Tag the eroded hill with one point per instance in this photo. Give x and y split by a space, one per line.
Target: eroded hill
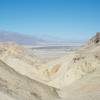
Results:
72 77
20 87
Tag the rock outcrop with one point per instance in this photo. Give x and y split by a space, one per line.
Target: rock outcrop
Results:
95 39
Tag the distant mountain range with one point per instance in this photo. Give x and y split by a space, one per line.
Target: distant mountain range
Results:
6 36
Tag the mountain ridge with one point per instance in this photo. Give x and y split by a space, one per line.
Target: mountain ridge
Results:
6 36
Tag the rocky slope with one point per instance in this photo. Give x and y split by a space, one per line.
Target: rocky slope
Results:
72 77
18 58
65 72
95 39
19 87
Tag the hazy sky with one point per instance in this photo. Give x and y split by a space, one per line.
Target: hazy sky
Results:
53 19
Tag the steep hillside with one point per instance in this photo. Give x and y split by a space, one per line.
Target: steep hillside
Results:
76 76
18 57
72 67
21 87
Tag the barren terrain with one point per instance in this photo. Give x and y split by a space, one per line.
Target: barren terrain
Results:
50 72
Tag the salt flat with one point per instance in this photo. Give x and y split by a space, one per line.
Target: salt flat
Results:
49 52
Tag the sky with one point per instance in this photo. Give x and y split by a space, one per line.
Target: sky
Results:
62 20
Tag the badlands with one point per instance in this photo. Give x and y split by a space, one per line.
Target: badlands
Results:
75 75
